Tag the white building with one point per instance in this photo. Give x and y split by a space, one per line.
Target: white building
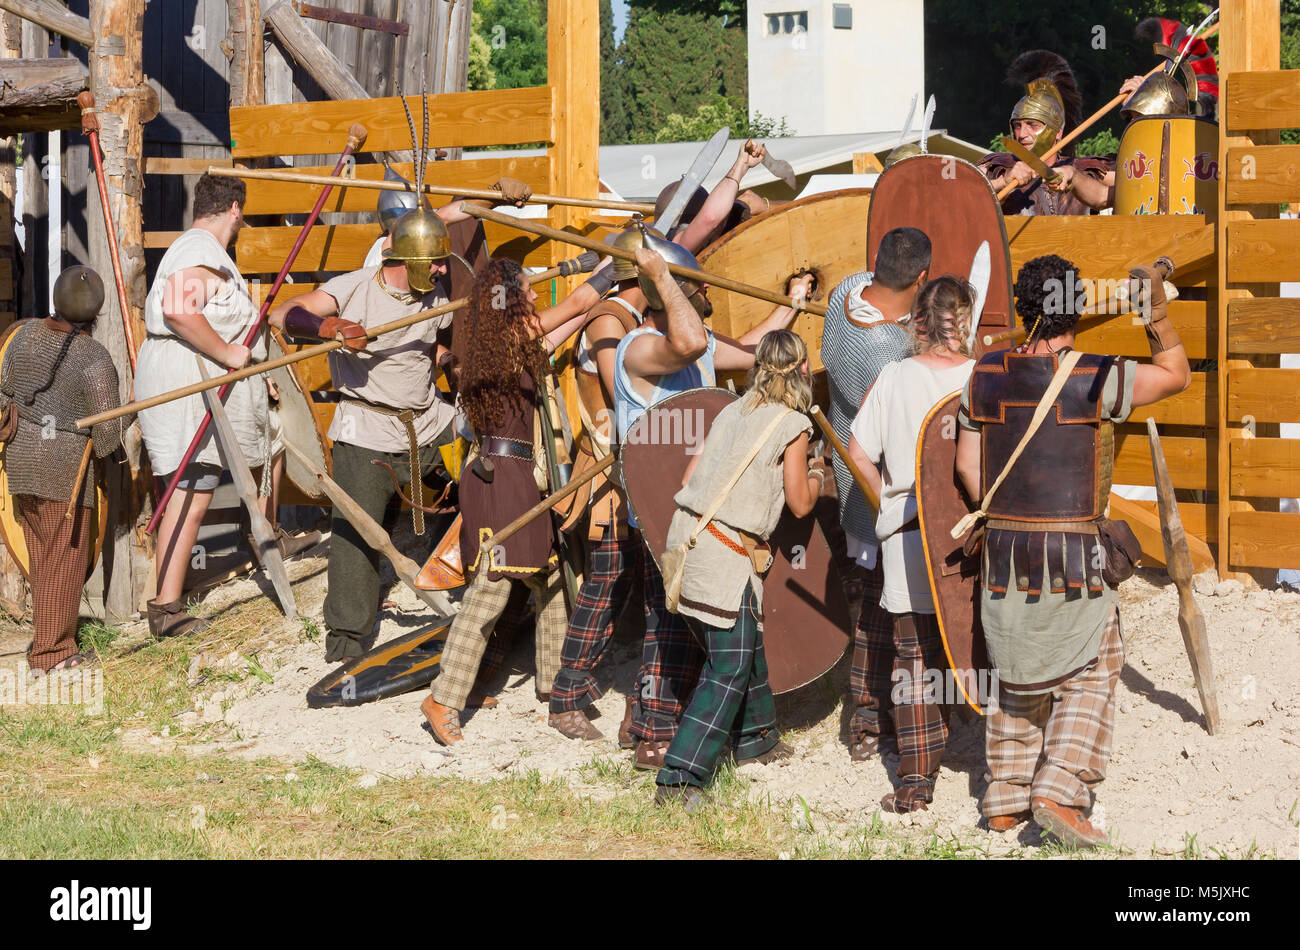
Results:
834 68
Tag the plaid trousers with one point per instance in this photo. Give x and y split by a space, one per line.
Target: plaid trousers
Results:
873 660
1054 745
922 726
482 606
58 548
671 659
733 700
591 628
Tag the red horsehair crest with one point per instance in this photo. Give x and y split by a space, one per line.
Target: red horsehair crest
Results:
1203 169
1139 166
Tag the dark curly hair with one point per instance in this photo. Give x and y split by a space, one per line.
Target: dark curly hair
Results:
214 194
1047 287
502 341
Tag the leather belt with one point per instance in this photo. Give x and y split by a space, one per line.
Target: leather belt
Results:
407 418
508 448
1069 527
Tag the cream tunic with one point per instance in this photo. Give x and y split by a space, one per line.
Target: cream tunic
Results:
167 362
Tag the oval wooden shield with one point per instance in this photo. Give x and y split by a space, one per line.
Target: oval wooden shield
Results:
1168 165
954 577
825 233
303 427
11 529
805 615
952 202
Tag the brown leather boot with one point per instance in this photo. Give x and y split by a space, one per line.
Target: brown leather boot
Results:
443 720
574 724
1007 822
625 738
1066 824
171 620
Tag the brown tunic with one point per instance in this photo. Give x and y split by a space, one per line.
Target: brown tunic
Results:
487 507
1036 197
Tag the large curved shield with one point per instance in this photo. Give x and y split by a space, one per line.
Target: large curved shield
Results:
952 202
954 576
821 233
11 529
302 426
805 616
1168 165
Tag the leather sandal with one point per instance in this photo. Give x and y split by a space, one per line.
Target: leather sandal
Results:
1066 824
650 755
867 745
691 798
443 720
1007 822
625 738
574 724
778 753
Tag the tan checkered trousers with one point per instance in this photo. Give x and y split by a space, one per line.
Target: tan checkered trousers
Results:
484 602
1055 745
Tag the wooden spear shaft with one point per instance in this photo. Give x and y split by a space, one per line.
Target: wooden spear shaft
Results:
305 353
842 451
1087 123
546 504
713 280
378 184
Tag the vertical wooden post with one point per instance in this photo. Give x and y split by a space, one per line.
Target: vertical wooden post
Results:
246 65
117 81
13 590
35 287
1249 40
573 73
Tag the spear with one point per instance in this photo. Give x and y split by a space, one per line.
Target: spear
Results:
1093 119
378 184
563 270
356 138
568 237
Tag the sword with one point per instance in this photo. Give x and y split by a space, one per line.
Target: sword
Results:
781 170
702 165
1039 166
264 537
980 269
911 114
925 125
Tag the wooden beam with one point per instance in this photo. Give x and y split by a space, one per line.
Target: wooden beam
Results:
153 165
1263 251
1265 468
1193 319
54 18
1143 518
40 95
311 54
1264 325
1195 406
1264 539
247 70
1106 245
866 163
1191 461
1264 395
469 119
1263 173
1258 98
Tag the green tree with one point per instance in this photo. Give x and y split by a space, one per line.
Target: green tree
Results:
613 118
479 73
675 62
712 115
515 32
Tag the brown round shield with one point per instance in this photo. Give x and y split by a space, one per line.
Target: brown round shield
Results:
821 233
805 615
952 202
303 427
954 575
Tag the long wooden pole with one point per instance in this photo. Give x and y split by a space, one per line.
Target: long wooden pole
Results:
305 353
356 138
714 280
546 504
842 451
379 184
1087 123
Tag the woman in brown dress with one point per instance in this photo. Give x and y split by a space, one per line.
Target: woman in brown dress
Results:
504 344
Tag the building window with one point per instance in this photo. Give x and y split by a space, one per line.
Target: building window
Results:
786 23
842 16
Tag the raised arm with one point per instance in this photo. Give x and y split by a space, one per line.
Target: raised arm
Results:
560 322
513 192
1168 373
739 354
685 339
722 199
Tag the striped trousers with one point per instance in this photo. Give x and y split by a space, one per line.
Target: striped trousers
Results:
57 549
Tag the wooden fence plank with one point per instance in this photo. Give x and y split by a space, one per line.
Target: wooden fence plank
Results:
1263 251
1263 539
1262 173
1104 246
154 165
1263 325
1191 461
467 119
1267 395
1144 518
1195 406
1263 99
273 197
1265 468
1123 337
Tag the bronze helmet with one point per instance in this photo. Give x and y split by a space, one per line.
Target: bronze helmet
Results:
1042 103
903 151
672 254
419 238
1162 93
78 294
629 239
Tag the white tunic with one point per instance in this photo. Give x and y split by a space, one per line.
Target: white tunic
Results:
167 362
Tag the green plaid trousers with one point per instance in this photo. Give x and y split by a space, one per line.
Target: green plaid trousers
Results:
732 699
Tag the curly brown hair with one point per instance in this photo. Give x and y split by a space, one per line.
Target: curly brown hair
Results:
502 341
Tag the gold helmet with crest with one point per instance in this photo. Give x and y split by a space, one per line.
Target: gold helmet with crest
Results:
1051 96
1162 93
419 237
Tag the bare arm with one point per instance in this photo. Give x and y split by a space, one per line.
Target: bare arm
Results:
686 339
513 192
739 354
721 199
801 486
1169 373
317 301
968 462
187 292
1166 375
1093 192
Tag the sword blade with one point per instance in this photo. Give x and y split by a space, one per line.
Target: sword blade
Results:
981 269
781 170
911 114
701 167
925 125
1039 166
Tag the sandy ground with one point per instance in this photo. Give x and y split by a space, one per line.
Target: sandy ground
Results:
1168 779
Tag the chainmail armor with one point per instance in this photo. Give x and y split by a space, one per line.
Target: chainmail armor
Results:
854 356
45 454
